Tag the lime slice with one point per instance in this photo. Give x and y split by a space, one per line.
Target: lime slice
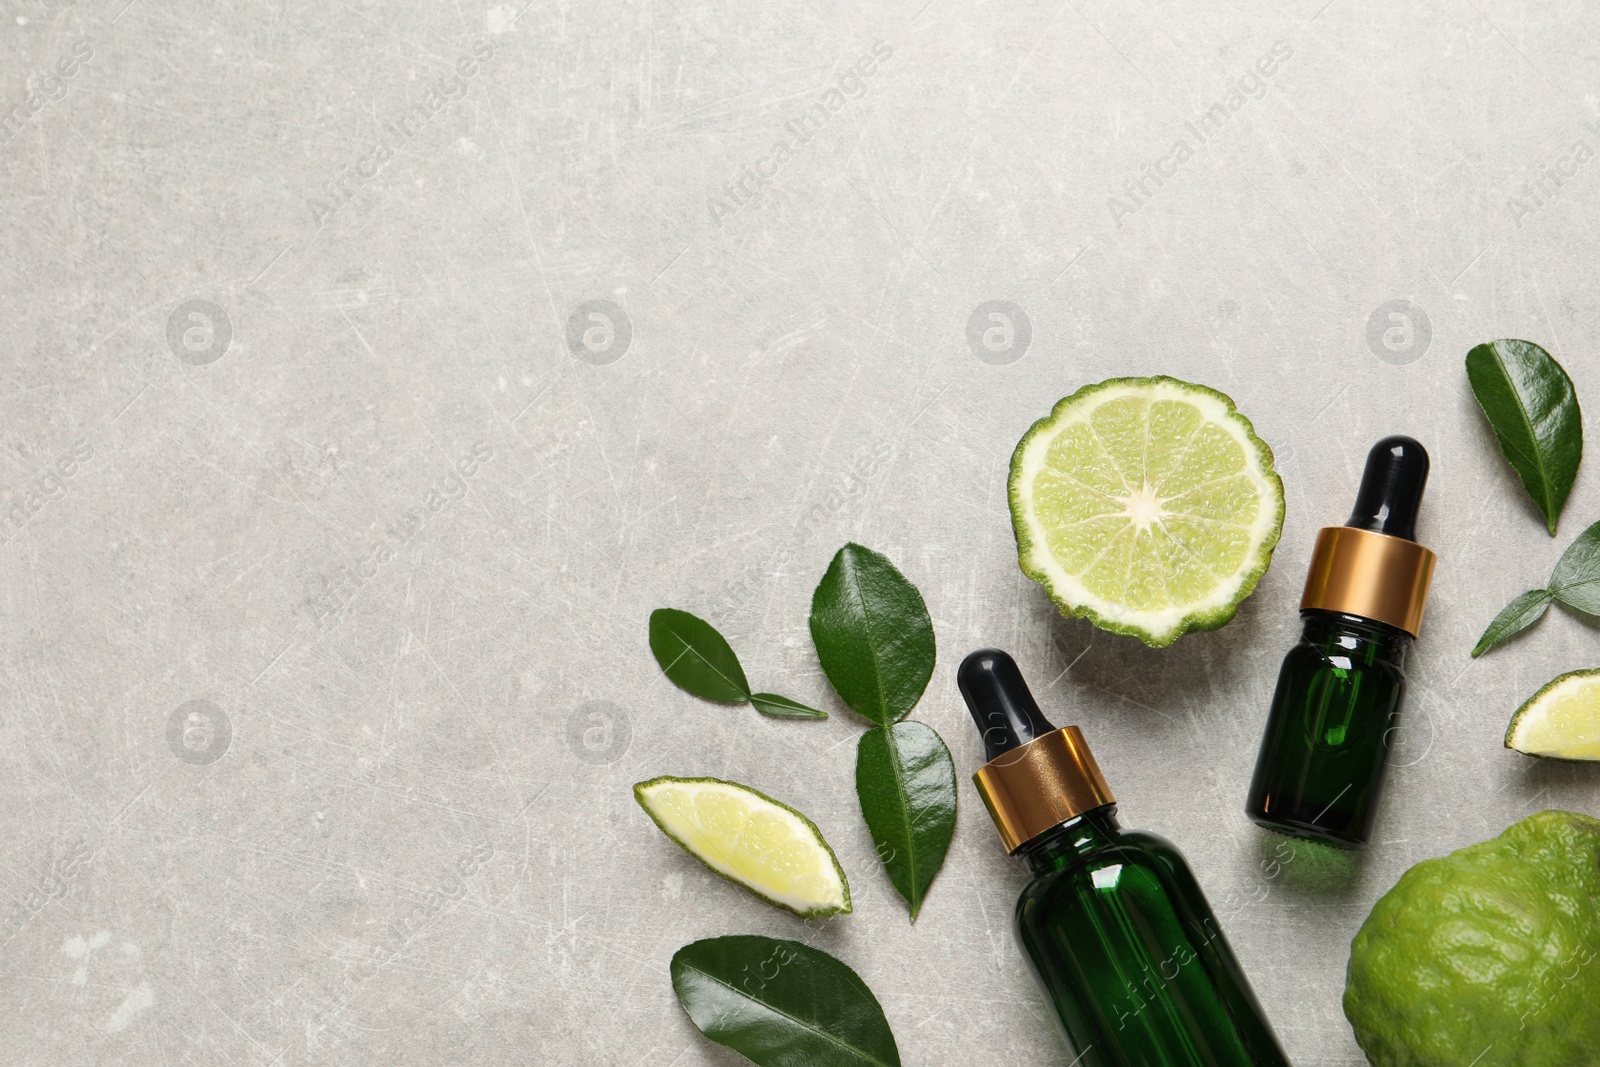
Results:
1562 721
751 840
1147 505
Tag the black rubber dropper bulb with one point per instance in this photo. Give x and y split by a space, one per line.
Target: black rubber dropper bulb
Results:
1004 710
1391 488
1088 918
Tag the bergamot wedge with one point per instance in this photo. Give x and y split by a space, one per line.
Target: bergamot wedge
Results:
1562 721
751 840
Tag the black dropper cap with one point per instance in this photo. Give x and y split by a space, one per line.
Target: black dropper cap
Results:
1391 488
999 700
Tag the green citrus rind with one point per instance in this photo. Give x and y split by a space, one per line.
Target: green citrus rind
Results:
1491 947
640 794
1525 718
1036 561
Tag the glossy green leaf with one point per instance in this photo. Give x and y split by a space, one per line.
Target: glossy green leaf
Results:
782 1004
1517 616
696 658
784 708
1531 406
906 782
1576 580
873 634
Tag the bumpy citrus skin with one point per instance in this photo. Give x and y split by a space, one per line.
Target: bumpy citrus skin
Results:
1488 956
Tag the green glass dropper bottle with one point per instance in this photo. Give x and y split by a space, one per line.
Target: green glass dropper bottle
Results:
1324 755
1117 931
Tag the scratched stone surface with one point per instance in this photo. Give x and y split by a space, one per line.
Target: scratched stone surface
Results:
371 372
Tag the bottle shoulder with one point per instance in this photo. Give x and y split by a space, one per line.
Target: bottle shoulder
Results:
1347 658
1351 642
1135 849
1136 877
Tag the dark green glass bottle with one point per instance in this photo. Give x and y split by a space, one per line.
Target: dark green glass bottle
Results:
1114 925
1324 758
1324 755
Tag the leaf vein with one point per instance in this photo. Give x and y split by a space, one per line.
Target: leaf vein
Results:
802 1023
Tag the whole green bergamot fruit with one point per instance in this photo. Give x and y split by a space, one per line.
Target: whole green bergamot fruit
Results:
1487 956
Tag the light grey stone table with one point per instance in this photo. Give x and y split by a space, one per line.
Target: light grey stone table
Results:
371 372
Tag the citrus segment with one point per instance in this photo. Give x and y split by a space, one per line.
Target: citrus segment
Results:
1147 505
751 840
1562 721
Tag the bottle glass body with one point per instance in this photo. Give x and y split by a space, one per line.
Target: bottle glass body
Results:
1124 945
1324 755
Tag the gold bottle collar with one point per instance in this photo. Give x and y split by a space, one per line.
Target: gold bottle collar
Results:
1373 575
1044 783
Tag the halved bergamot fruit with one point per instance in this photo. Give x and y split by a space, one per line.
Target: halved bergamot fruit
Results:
1562 721
1146 505
751 840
